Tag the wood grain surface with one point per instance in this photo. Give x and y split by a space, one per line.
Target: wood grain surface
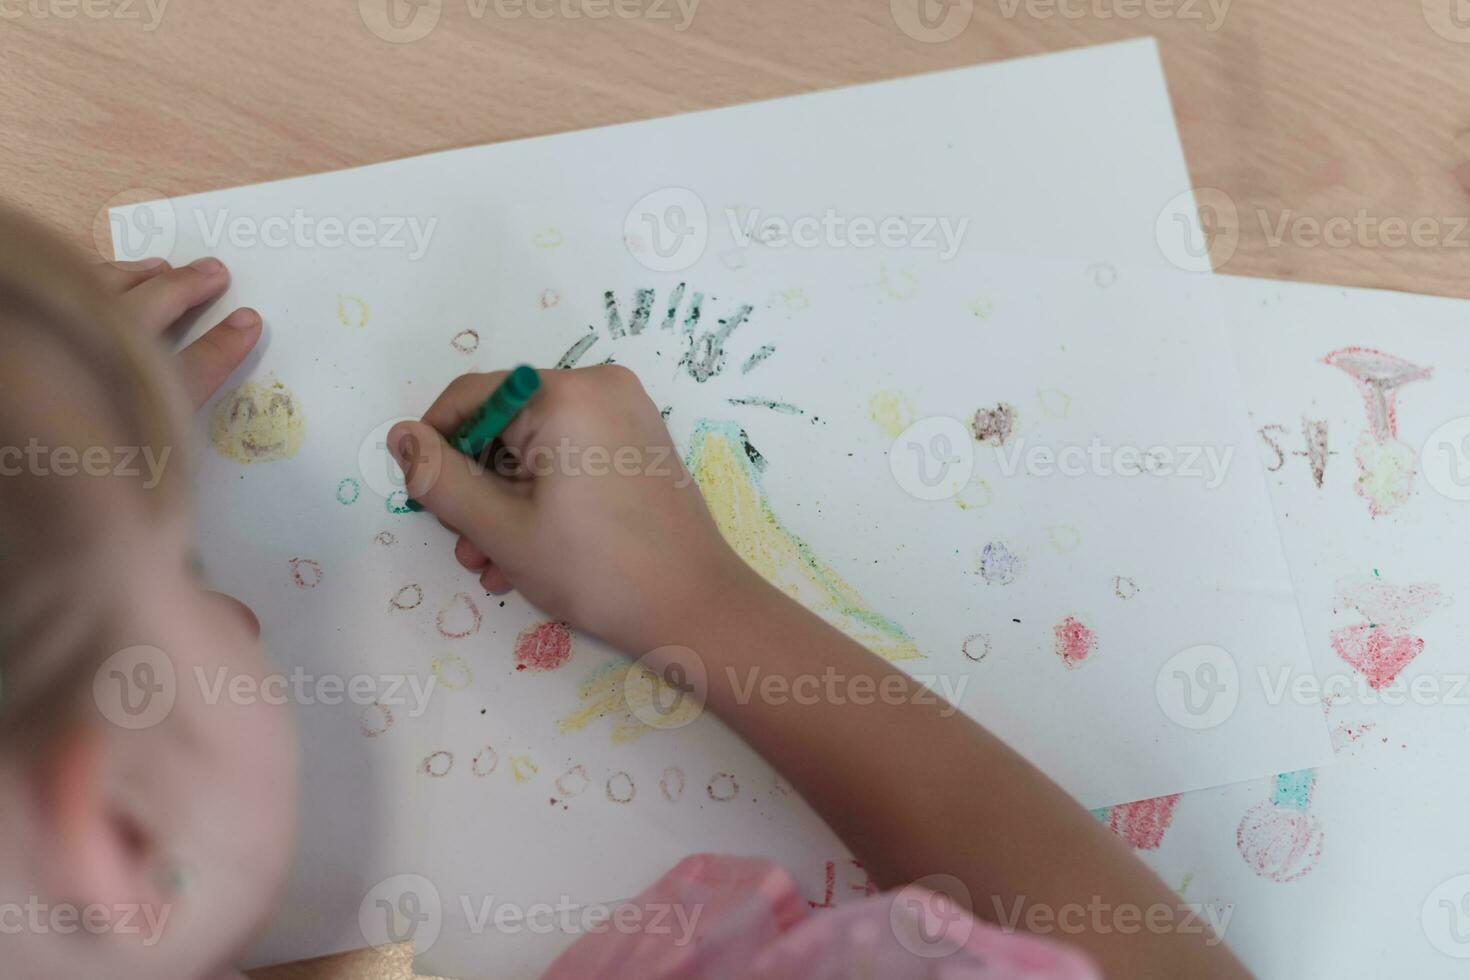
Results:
1350 117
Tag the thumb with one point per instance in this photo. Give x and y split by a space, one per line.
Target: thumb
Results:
463 493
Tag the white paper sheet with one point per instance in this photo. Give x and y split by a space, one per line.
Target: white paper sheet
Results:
1357 869
1058 306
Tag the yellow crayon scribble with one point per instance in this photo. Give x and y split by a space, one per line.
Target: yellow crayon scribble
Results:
890 282
974 494
549 238
637 700
1054 402
352 311
453 673
722 462
1064 537
795 299
257 423
892 412
1385 472
522 769
982 307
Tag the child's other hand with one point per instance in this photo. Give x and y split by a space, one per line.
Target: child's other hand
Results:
157 296
597 521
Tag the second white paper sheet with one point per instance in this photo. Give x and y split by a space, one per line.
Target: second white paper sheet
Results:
1099 515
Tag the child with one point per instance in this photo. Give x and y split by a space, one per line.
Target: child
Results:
148 851
189 818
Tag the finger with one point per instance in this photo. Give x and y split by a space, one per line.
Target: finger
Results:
468 554
490 511
467 393
493 581
207 362
461 399
160 301
119 277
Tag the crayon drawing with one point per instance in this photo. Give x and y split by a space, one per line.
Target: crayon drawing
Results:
1382 647
724 464
1143 823
352 311
1280 840
1386 465
257 423
630 696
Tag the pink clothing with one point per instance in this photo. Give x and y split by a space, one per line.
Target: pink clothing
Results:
723 918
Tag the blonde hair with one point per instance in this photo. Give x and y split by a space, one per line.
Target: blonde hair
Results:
64 344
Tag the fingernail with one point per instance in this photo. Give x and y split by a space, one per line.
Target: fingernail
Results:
242 318
209 265
405 450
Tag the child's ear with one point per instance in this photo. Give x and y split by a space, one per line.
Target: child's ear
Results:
103 853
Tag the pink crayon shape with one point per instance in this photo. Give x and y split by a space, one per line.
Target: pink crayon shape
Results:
1378 376
1142 824
1075 642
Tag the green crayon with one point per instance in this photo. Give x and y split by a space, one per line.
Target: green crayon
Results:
492 418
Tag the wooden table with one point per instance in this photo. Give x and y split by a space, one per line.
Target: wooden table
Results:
1349 117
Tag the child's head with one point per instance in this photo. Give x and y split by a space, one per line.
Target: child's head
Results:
148 821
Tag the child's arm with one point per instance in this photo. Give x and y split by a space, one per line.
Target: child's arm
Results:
912 789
